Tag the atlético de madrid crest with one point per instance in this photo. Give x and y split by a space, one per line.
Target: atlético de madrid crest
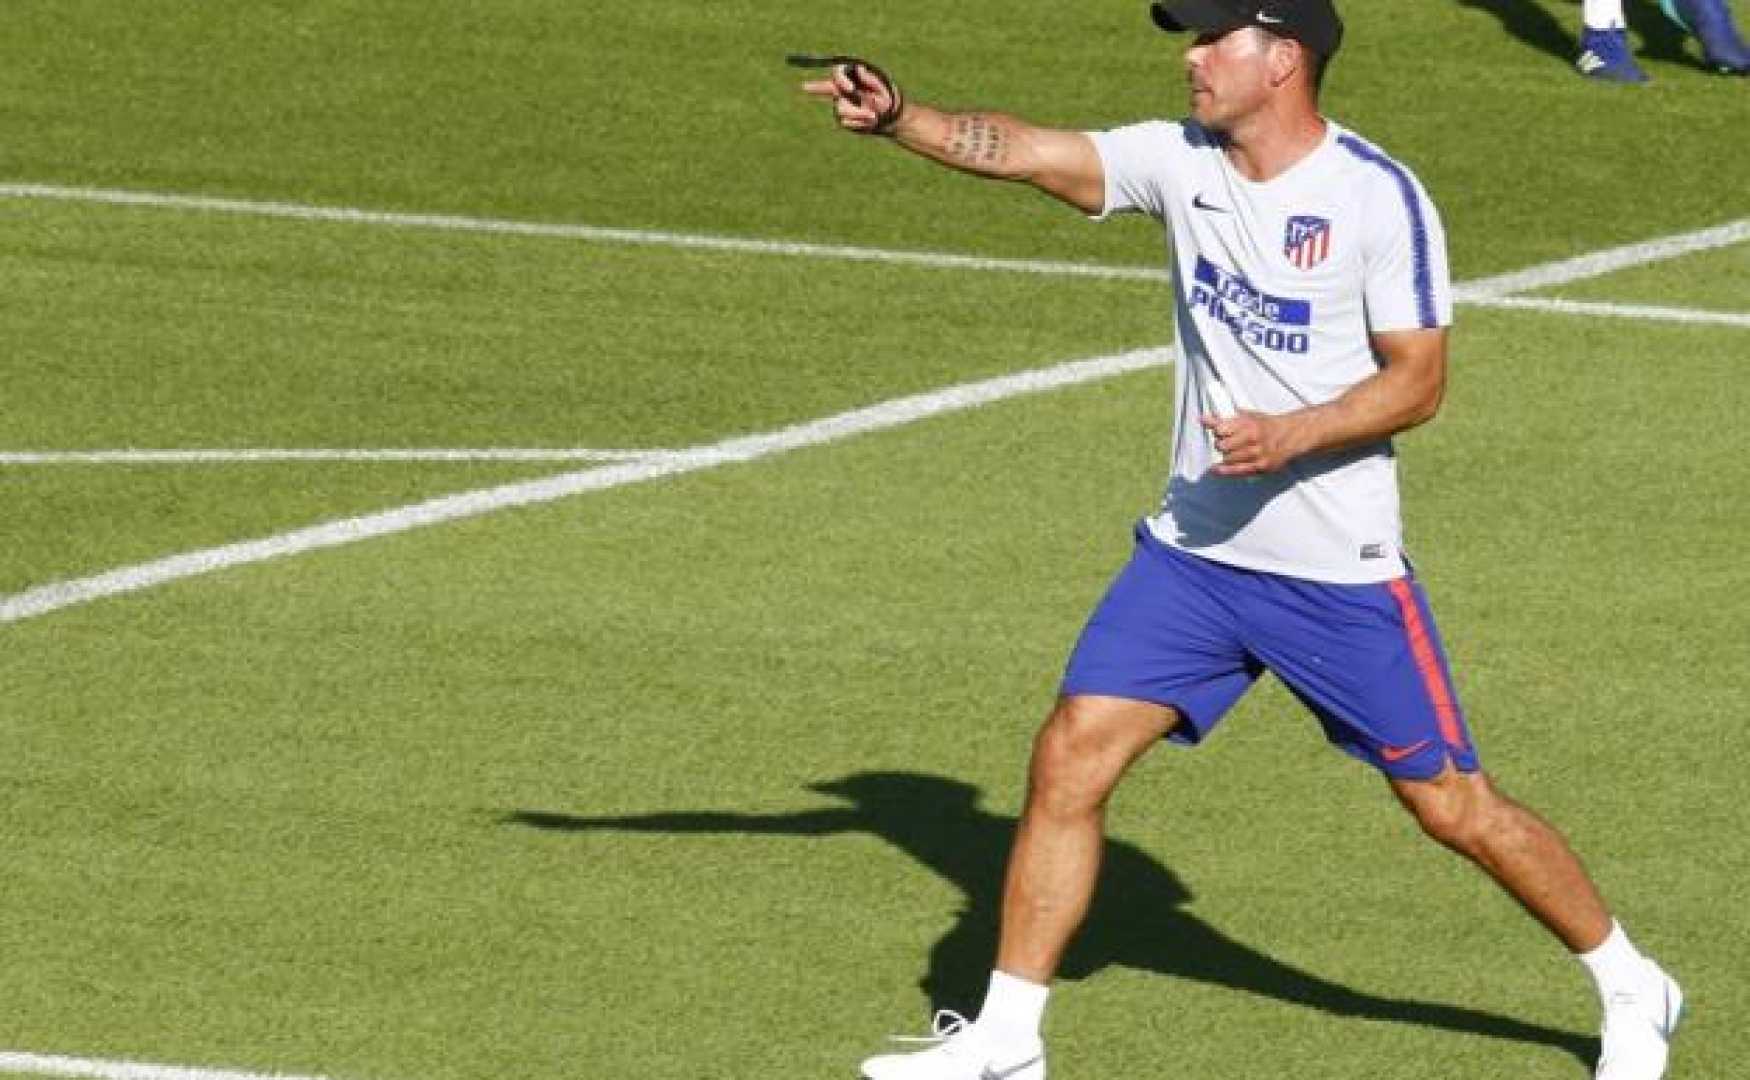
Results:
1308 241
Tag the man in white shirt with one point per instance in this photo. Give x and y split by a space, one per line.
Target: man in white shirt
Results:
1312 301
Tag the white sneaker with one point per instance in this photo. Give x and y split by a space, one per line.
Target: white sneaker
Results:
961 1052
1638 1027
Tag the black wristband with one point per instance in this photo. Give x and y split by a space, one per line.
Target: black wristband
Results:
889 116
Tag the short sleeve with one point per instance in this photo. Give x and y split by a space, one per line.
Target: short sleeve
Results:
1408 283
1138 163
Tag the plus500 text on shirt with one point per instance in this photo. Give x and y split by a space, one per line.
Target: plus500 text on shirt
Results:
1276 286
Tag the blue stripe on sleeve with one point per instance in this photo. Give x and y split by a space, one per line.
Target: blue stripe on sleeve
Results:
1424 272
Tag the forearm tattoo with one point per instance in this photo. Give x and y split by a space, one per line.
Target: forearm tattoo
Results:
979 142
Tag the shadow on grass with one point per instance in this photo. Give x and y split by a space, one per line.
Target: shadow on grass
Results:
1537 27
1138 919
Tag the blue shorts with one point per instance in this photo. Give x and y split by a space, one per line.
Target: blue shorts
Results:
1193 634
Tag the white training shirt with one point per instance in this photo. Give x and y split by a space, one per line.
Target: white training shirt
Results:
1276 286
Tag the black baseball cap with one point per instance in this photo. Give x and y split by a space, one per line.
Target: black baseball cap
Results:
1313 23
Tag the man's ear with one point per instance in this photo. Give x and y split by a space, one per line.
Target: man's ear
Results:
1287 56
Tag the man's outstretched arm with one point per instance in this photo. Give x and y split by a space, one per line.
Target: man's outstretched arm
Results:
1063 164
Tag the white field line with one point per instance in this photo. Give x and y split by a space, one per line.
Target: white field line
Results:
1656 313
1562 272
56 1065
489 454
591 233
889 414
52 597
1599 263
253 456
1496 292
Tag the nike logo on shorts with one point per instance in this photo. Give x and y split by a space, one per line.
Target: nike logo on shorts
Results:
1394 754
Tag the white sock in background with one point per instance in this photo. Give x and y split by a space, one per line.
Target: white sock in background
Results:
1604 14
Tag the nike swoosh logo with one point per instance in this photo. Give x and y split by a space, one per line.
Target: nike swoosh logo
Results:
1268 20
1399 753
1200 203
1004 1074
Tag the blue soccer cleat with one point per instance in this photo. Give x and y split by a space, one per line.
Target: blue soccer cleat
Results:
1711 23
1604 55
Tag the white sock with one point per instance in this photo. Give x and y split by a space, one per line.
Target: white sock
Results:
1013 1009
1616 966
1604 15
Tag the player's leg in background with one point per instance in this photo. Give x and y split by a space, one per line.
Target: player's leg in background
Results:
1604 47
1722 46
1532 861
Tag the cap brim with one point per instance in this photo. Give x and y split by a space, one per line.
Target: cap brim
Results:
1197 16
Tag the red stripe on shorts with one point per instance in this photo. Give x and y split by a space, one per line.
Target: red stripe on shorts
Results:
1428 663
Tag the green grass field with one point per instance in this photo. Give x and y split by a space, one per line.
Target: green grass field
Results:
712 775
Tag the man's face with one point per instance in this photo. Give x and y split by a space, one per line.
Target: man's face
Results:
1229 75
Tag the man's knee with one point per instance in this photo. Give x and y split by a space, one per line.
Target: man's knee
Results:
1458 810
1084 747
